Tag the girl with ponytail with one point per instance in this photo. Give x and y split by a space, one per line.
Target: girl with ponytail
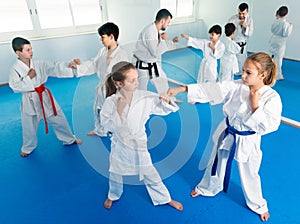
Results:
124 114
252 109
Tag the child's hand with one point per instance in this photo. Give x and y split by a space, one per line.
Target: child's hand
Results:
184 36
254 97
212 45
165 97
175 39
174 91
31 73
72 64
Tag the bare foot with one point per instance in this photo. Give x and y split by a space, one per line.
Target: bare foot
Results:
24 154
175 204
194 194
264 217
91 133
108 203
78 141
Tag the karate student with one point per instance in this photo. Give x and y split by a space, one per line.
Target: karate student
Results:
28 77
109 55
212 49
228 62
244 24
280 29
148 50
125 113
252 109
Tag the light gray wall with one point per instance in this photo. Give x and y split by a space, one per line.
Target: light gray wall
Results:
132 15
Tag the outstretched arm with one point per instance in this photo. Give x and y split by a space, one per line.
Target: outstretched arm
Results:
174 91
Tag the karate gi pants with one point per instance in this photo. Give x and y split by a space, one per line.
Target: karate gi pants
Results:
250 180
160 83
59 124
241 57
157 190
278 59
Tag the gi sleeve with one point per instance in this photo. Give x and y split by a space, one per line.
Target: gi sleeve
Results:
267 117
108 114
20 82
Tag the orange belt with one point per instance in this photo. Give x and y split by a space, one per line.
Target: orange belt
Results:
40 91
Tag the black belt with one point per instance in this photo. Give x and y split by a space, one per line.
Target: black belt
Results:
139 65
242 45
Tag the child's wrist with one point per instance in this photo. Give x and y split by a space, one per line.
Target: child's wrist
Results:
184 88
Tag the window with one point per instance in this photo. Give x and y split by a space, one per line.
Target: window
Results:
41 18
182 10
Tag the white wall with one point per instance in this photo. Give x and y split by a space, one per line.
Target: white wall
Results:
263 14
132 15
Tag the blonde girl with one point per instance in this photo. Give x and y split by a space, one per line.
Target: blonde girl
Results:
252 109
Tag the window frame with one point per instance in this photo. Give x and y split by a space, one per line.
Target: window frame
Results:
186 19
39 33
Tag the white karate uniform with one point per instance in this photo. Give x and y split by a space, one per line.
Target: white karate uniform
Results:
228 62
241 36
266 119
208 67
148 49
129 154
102 66
31 109
280 29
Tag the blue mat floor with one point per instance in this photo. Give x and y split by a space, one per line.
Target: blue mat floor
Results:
59 184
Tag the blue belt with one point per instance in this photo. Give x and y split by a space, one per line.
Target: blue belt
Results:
229 130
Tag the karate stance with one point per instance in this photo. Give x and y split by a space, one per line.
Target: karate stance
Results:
148 50
28 77
102 64
252 109
280 29
212 49
244 24
228 62
125 113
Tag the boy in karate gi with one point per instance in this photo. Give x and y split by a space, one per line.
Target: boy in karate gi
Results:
212 49
280 29
28 77
109 55
228 62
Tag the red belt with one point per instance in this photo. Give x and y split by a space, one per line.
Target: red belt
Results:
40 91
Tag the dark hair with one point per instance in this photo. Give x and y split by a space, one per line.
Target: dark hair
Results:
215 29
265 63
282 11
163 14
108 29
118 74
18 43
243 7
229 29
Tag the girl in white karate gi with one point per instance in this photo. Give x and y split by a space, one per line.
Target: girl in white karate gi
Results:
28 77
212 49
252 109
280 29
124 113
228 62
102 64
